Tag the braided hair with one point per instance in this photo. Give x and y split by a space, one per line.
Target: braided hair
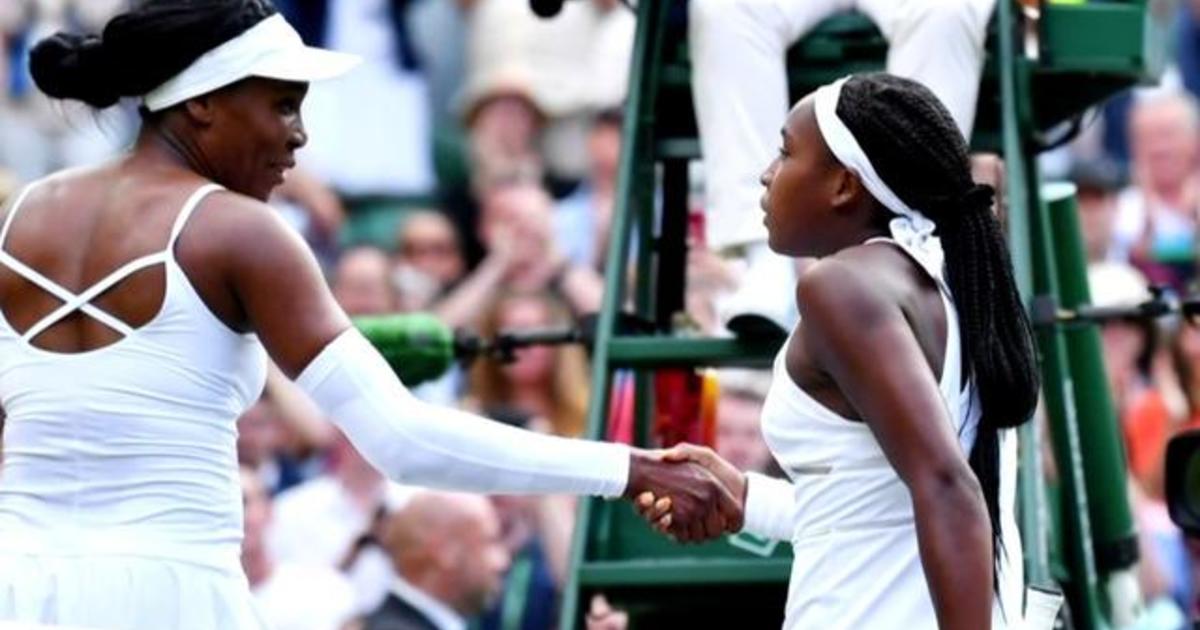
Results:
918 151
139 49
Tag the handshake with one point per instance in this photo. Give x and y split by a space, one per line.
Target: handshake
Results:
687 492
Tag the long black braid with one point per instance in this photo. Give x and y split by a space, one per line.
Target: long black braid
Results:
917 149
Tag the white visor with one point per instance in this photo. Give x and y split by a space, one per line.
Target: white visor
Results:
271 49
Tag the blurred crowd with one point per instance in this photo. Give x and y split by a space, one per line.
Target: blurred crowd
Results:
468 169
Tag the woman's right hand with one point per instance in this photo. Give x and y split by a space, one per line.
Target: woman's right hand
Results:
660 509
691 503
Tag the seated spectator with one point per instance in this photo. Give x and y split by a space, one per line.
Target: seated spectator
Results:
1097 182
542 381
1142 391
290 596
429 260
516 226
574 64
449 560
503 121
1156 217
361 282
328 521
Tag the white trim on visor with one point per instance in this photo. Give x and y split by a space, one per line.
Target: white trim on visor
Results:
912 228
271 49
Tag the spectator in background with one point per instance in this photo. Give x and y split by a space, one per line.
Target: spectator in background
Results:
428 261
282 436
361 281
542 381
1142 386
504 124
1156 217
330 520
449 561
1097 182
428 268
583 220
739 410
517 226
377 158
576 63
290 596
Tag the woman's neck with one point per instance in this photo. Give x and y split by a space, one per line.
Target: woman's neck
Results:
159 144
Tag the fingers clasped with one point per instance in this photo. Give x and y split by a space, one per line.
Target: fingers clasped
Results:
686 500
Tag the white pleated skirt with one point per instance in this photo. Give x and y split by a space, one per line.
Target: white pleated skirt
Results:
122 592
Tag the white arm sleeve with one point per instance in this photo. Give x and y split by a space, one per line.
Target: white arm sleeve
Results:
414 442
770 504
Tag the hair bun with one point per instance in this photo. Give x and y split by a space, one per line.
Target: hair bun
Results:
69 65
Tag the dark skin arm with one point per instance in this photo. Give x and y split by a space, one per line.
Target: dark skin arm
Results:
274 287
848 325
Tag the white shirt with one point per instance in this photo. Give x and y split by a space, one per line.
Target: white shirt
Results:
317 521
305 597
439 614
1173 233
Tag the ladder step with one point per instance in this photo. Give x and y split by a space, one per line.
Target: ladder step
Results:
677 148
678 571
658 351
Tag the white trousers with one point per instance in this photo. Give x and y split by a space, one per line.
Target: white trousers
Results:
739 83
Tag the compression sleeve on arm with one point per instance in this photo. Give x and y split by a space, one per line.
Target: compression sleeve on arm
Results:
414 442
770 504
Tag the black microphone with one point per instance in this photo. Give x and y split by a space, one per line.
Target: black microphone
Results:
546 8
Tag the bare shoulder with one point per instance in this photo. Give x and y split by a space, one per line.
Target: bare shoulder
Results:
56 186
846 288
232 229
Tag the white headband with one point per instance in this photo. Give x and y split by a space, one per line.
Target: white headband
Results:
846 149
270 49
911 228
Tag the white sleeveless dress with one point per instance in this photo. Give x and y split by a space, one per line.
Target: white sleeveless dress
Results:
120 502
848 514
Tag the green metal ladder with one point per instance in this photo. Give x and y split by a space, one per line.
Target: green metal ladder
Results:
1078 535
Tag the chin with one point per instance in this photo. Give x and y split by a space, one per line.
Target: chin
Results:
262 191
